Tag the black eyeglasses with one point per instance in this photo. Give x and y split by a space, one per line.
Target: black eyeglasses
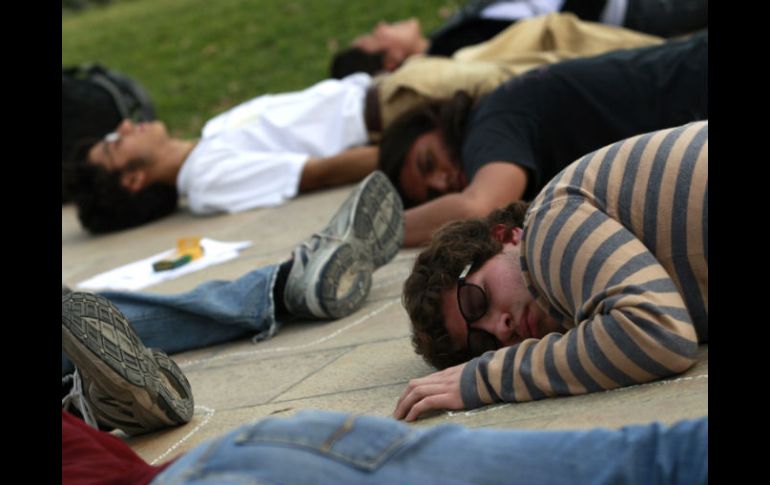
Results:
473 304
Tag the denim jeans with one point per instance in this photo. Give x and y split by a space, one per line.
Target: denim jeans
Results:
336 448
212 313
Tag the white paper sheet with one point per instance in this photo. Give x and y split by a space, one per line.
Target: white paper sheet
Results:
138 275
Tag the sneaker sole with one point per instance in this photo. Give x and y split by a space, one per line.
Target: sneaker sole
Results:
378 218
131 387
345 280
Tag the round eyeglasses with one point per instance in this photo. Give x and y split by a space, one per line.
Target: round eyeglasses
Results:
473 304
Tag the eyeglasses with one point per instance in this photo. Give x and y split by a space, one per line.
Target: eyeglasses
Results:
109 138
473 304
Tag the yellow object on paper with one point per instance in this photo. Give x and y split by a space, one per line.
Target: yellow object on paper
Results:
140 274
187 249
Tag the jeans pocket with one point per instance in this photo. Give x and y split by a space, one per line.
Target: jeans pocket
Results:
365 442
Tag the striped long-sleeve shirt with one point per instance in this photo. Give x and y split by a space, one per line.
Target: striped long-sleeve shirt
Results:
616 247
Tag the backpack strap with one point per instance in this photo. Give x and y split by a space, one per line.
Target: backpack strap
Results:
141 107
130 98
117 97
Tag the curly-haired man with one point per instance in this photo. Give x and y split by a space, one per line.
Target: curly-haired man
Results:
602 282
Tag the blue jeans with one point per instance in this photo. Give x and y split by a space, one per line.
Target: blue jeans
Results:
214 312
327 447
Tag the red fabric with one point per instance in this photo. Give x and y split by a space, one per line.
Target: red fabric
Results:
90 456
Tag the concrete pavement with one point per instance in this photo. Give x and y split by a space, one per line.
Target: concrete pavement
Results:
359 364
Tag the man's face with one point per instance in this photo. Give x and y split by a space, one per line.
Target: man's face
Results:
135 142
512 314
397 40
428 171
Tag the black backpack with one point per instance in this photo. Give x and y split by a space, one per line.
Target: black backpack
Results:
94 101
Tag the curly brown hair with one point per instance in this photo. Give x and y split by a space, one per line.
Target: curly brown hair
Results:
436 270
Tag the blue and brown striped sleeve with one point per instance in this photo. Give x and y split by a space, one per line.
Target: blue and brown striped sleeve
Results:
616 247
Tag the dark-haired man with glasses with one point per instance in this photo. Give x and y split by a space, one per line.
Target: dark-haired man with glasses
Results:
601 282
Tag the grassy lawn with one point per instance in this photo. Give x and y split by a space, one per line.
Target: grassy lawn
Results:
200 57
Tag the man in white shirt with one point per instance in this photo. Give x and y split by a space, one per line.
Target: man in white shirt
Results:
260 153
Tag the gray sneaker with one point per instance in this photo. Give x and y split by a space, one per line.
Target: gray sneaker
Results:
332 270
119 382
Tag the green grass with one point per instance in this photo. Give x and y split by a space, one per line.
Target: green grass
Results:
200 57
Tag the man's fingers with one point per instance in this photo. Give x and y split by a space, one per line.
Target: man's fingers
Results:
423 391
440 401
406 391
414 394
414 384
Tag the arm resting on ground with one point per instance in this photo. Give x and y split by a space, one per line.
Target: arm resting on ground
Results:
495 185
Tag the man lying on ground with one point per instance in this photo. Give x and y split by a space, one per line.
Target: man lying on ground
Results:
601 282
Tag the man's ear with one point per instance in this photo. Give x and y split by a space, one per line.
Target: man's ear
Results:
391 61
500 234
133 180
507 236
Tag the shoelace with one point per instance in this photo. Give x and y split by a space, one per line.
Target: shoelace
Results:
318 236
77 399
314 241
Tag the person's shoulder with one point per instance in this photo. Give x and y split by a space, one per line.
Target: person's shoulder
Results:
521 89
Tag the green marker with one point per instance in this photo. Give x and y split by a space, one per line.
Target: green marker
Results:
167 264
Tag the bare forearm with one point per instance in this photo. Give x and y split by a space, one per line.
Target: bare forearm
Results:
346 167
495 185
422 221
